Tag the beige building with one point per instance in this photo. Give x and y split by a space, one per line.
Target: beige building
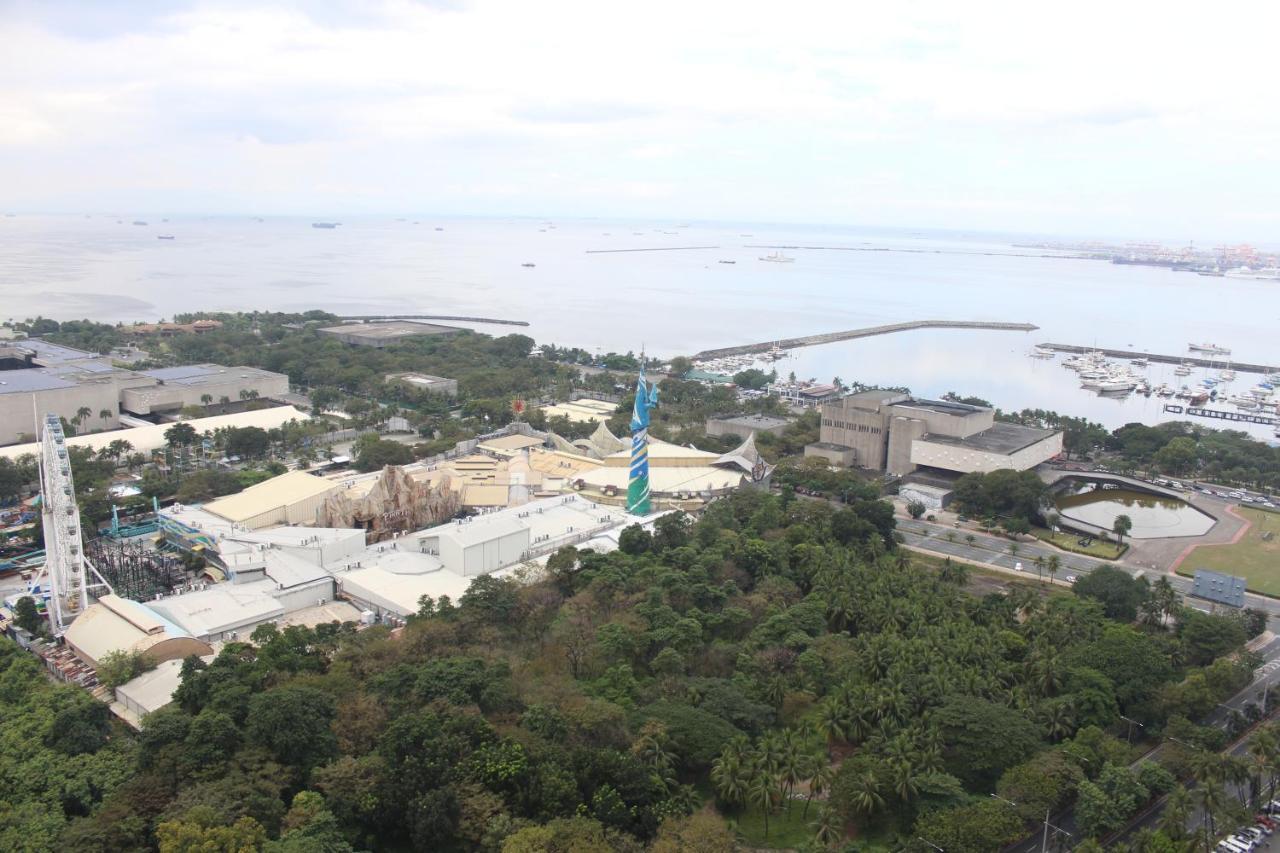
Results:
585 410
114 624
897 433
292 498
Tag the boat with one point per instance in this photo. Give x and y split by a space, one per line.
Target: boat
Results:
324 224
1227 375
728 262
1212 349
1114 386
1183 369
1198 399
164 236
1139 362
138 222
528 265
1041 352
778 258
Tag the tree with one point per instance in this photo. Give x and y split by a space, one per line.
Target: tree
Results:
378 453
1121 527
1119 593
294 724
978 828
702 831
119 667
27 617
764 793
916 509
105 415
181 434
1176 457
634 539
200 830
981 739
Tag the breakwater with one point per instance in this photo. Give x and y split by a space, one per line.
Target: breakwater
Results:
869 331
366 318
1215 363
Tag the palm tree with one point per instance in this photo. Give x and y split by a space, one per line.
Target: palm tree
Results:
1052 565
903 780
969 539
81 413
1177 811
730 776
1013 549
764 793
866 797
105 414
831 720
1038 562
820 778
792 766
1121 526
206 399
827 829
224 401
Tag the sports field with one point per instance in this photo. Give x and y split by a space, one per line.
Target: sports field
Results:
1256 556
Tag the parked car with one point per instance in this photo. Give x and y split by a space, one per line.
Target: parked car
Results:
1071 578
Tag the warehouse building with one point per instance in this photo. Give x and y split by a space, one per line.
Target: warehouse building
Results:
291 498
894 432
146 439
39 378
173 388
386 334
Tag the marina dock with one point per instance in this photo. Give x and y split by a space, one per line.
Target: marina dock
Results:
870 331
1194 361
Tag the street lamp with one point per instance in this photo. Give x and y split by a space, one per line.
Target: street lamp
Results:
1044 842
1131 723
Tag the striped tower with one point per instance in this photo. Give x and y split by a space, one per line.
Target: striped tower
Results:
638 484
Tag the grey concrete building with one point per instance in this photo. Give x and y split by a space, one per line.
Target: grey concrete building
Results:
171 388
381 335
39 378
897 433
745 426
426 382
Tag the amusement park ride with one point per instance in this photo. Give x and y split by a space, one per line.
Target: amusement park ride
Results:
67 577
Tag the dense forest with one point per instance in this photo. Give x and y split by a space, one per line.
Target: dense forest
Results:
777 673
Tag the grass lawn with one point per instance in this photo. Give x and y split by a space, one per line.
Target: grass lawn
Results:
1253 557
784 832
1070 542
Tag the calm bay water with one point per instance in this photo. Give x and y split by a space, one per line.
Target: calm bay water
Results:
671 302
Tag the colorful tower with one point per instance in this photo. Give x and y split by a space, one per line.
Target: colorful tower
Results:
638 484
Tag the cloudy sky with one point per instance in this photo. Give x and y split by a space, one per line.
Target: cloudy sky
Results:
1079 119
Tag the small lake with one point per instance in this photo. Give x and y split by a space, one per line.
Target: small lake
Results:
1153 516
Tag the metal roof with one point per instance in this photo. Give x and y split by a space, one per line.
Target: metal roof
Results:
31 380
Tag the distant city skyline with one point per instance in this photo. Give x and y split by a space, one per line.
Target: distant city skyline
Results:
1009 118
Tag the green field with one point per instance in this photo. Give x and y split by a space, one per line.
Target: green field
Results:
1070 542
785 831
1255 558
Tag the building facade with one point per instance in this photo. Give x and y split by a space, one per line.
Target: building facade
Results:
896 433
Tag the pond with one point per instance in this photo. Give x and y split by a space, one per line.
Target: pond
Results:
1153 516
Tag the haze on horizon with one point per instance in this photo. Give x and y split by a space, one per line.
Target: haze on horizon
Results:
1097 119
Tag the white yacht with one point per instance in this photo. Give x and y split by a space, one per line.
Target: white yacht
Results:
779 258
1211 349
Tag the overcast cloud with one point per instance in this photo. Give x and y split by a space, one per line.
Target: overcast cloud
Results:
1114 118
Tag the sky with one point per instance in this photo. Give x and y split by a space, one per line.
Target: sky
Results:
1128 119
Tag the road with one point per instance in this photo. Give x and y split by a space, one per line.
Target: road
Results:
1266 677
994 551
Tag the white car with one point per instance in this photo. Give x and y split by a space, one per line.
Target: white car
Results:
1071 578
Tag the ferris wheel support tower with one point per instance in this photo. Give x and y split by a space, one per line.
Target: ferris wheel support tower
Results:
67 575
